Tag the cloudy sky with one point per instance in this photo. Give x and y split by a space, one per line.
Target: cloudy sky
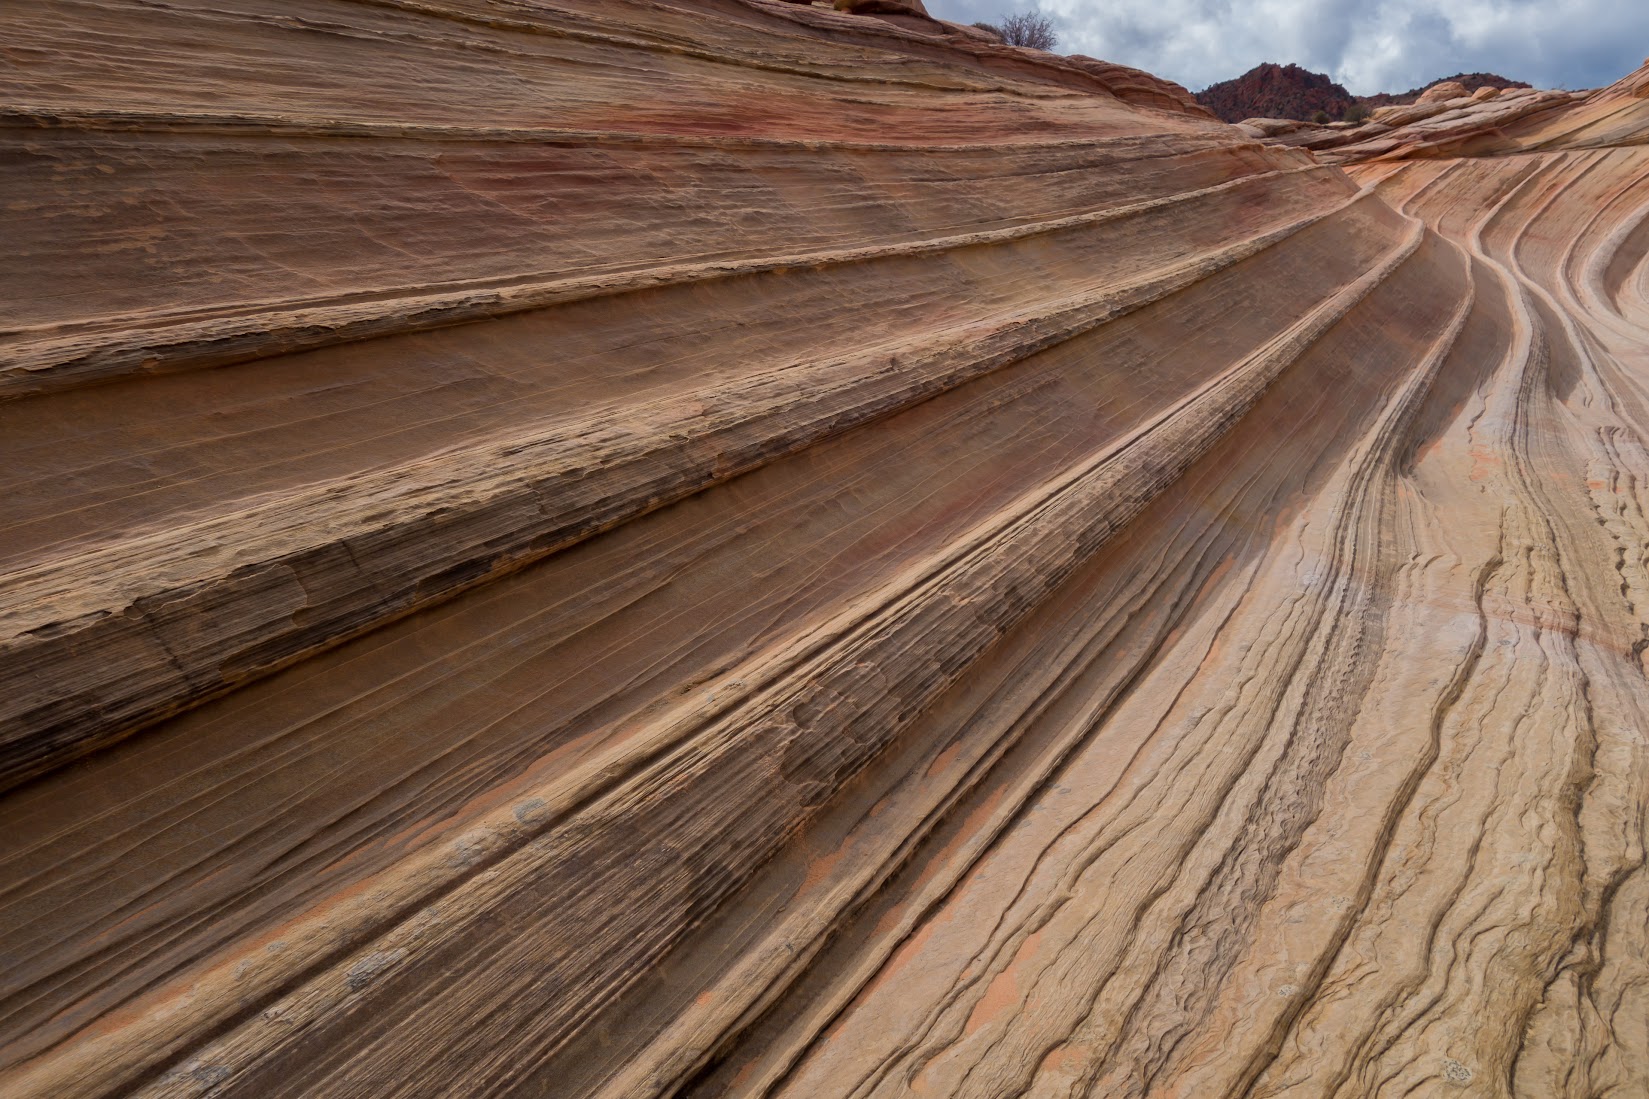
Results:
1367 45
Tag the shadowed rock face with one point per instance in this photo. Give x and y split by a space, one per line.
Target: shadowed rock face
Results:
633 548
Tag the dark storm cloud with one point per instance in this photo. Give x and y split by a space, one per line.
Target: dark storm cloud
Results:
1368 45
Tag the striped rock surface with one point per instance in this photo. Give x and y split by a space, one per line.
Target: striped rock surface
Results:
719 547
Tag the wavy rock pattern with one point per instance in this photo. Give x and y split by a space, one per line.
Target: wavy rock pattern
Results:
641 547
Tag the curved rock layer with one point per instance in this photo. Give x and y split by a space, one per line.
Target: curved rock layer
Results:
631 548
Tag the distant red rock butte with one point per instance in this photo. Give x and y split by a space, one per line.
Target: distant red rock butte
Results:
1270 90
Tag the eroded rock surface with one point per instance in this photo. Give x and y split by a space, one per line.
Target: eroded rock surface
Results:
632 548
1443 92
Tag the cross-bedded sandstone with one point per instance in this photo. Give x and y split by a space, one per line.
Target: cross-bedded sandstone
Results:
651 547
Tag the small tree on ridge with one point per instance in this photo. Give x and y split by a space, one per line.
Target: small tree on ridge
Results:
1030 28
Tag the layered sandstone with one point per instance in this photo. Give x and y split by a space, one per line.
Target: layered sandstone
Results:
1473 125
645 547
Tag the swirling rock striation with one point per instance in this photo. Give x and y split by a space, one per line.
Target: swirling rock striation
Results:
640 548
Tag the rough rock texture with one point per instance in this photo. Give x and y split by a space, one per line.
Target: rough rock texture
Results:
632 548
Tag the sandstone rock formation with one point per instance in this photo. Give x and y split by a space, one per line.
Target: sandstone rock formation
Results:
1475 125
1138 87
1443 92
1465 80
882 7
704 547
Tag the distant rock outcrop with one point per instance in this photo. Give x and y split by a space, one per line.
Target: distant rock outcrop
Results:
1472 81
1276 91
1446 121
1291 91
1443 91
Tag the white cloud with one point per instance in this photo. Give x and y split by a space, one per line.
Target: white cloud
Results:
1368 45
